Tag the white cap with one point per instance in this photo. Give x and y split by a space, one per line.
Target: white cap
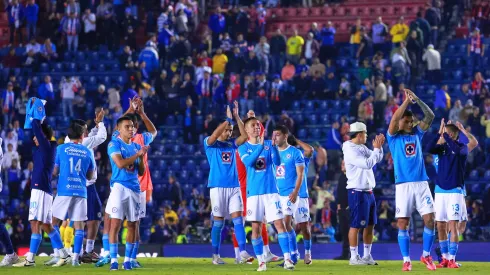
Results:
357 127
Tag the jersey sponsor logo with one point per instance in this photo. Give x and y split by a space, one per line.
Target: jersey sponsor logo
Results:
226 157
260 164
111 144
280 171
410 149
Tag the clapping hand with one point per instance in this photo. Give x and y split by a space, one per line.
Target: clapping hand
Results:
378 141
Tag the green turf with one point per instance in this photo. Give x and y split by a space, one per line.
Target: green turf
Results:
181 266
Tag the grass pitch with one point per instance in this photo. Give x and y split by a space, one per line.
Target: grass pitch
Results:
183 266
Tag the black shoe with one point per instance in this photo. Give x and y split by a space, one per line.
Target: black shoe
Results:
341 257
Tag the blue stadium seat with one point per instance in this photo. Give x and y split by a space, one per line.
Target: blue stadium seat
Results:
150 164
199 123
462 50
157 174
58 67
342 63
190 165
67 56
190 149
302 133
324 119
298 118
474 175
64 122
94 56
173 135
80 56
115 67
160 148
175 165
324 105
186 188
176 149
204 164
162 165
309 105
198 174
296 105
44 68
85 67
101 67
35 81
312 119
51 121
457 75
486 176
184 175
71 67
109 56
170 120
316 133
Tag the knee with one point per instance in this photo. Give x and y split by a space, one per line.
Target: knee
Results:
430 223
403 224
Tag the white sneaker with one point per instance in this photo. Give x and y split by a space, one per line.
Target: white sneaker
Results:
262 267
272 258
9 260
246 258
307 259
217 260
63 261
288 265
357 261
24 263
52 261
75 263
369 260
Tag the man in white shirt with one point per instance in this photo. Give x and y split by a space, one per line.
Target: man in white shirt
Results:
433 58
67 92
359 162
89 28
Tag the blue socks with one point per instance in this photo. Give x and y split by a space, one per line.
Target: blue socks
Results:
453 249
105 242
428 239
283 239
113 250
444 248
78 241
240 232
36 240
258 245
293 246
134 252
216 235
129 251
55 239
307 244
5 239
404 242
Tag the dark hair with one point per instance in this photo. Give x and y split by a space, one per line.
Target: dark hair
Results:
283 129
248 120
123 118
292 140
47 131
134 118
79 122
354 135
75 131
407 113
453 128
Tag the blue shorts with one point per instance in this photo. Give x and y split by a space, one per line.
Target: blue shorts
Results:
362 207
94 206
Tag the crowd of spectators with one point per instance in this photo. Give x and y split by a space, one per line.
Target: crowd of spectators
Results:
181 70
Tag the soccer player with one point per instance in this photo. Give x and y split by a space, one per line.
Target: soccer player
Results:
302 214
75 165
451 148
359 163
289 178
41 200
11 257
242 179
146 186
263 200
127 164
223 182
412 189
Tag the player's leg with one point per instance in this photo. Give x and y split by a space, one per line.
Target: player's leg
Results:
255 215
142 214
130 239
219 207
11 257
117 206
274 213
441 223
78 214
359 216
288 209
105 258
302 218
369 230
77 248
236 247
455 208
94 214
425 206
235 206
132 211
404 201
269 256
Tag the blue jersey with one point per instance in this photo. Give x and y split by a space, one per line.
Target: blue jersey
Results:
303 191
259 161
128 176
408 159
74 162
286 175
222 163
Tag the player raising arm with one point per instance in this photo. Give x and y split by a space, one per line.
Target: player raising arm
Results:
223 182
412 189
263 200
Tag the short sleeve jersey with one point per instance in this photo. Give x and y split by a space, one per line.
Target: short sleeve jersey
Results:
74 162
127 176
222 162
286 174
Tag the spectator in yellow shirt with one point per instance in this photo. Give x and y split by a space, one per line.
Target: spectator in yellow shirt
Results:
355 38
399 31
294 46
219 62
170 214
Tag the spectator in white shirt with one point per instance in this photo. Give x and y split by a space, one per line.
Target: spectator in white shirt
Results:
359 163
67 92
433 58
11 138
9 156
89 28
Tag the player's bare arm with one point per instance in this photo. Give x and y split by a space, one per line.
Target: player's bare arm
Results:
56 171
150 127
300 170
122 162
90 174
221 128
393 127
141 166
243 134
473 142
428 114
307 149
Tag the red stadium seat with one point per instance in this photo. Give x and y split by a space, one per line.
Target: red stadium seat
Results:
353 11
293 27
343 26
402 10
303 12
366 11
290 11
340 11
379 11
390 10
279 12
316 12
327 11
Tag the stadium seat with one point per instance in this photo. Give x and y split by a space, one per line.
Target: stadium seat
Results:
173 135
175 165
316 11
80 56
190 149
302 133
204 164
71 67
323 105
94 56
190 165
327 11
486 176
51 121
298 118
316 133
198 174
115 67
58 67
157 174
176 149
474 175
35 81
309 105
184 176
150 164
67 56
162 165
101 67
324 119
296 105
44 68
303 12
312 119
170 121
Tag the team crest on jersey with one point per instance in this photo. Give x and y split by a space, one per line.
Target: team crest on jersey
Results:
249 212
280 171
226 157
114 209
111 144
410 149
288 156
260 164
266 148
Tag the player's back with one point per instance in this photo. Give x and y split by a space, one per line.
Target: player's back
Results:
126 176
261 175
74 161
286 174
222 162
408 159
